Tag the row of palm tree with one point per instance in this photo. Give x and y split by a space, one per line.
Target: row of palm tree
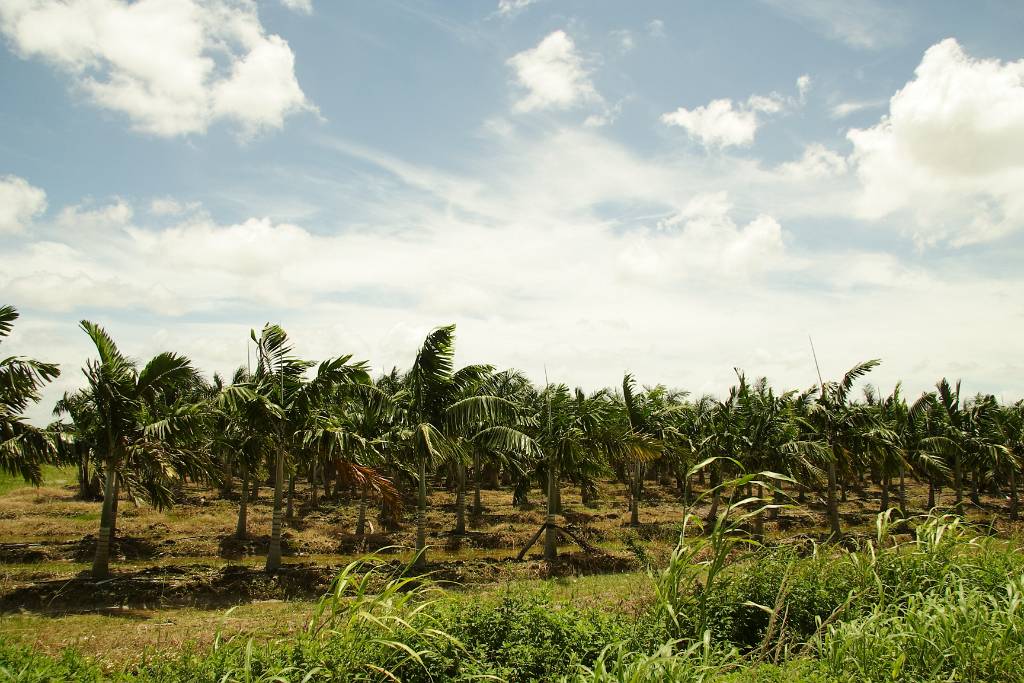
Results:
139 431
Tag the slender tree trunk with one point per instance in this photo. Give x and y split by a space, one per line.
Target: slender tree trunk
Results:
558 496
83 477
254 494
903 491
421 518
931 493
885 494
113 516
833 505
478 507
976 486
227 476
460 498
958 485
241 530
101 563
634 503
361 521
312 484
550 534
328 471
291 497
1013 494
274 553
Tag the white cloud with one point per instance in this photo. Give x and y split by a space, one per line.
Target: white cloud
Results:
20 202
536 271
301 6
510 8
173 68
803 86
656 28
702 238
168 206
553 75
817 162
950 153
721 123
844 109
716 124
867 24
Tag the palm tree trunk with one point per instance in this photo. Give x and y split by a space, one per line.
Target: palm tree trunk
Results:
274 553
361 520
328 470
83 476
976 486
101 563
113 514
885 494
312 485
634 503
558 496
903 491
958 485
1013 493
291 497
478 507
460 498
833 505
931 493
550 534
421 518
243 504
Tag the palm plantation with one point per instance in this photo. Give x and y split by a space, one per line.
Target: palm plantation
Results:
137 432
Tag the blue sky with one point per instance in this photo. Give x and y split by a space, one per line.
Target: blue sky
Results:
669 188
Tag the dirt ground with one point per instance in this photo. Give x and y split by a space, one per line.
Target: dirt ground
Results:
177 572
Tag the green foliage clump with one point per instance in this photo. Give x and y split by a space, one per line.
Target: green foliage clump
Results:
526 636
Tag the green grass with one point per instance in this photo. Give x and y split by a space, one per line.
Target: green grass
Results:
52 476
948 605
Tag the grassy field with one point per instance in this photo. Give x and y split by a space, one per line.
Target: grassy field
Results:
182 586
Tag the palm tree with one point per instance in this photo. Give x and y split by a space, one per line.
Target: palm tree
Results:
443 411
1012 425
288 401
76 443
953 427
647 417
23 448
836 423
238 436
355 435
139 415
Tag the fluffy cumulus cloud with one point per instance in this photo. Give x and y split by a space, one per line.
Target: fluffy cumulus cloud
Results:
703 238
20 202
950 152
173 68
721 123
817 161
552 75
